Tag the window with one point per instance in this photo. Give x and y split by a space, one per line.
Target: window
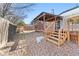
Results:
57 25
76 21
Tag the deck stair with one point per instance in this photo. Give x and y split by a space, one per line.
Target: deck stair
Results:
57 37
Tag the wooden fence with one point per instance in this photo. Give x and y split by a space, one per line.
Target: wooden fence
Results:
4 26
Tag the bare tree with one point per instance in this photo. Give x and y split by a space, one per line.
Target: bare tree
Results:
4 9
14 12
22 9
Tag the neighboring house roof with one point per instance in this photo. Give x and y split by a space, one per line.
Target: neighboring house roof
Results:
69 10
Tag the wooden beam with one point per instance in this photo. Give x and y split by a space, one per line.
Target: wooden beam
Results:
55 22
44 22
68 31
50 18
40 16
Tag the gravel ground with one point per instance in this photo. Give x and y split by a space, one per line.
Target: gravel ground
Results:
46 48
13 49
27 46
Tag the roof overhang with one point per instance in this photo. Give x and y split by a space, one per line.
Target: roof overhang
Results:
48 17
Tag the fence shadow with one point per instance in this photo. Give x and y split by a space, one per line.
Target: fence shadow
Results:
14 46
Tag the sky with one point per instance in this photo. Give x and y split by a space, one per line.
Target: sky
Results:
47 7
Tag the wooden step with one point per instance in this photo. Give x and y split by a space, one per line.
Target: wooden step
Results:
55 33
57 38
55 42
53 38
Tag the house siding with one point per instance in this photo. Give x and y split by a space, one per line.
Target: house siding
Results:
66 16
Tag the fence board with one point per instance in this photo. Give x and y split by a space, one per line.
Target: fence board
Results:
4 24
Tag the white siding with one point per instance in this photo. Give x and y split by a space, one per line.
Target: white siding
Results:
66 15
73 12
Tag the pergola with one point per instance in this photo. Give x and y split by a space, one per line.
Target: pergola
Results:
47 17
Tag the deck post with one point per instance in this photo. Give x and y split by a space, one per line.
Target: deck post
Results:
68 32
78 39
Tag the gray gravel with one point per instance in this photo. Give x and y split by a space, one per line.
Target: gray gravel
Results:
46 48
27 46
